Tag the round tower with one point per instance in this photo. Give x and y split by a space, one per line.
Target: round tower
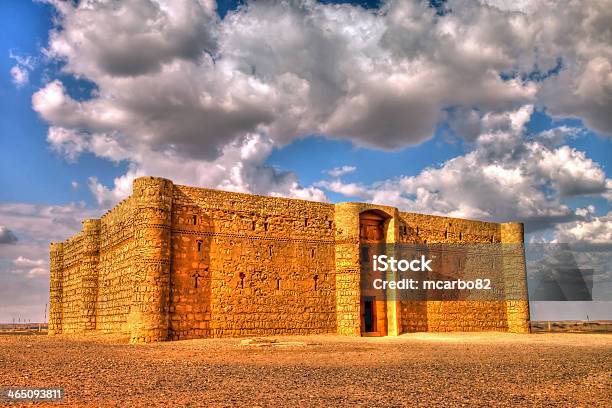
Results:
348 292
148 317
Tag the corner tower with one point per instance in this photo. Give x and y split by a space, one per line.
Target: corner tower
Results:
148 316
515 277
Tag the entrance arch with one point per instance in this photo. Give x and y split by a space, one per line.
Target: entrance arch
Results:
372 238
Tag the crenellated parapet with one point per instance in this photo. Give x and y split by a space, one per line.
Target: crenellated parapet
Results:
515 277
55 287
148 316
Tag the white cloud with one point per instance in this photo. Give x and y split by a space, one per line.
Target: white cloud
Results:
523 6
241 167
20 75
26 262
570 171
505 177
346 189
352 78
30 268
593 230
67 142
20 72
341 171
181 93
558 135
145 35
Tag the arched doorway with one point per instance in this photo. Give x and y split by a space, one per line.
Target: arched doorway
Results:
372 237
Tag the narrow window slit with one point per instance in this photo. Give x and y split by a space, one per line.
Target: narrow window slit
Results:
196 275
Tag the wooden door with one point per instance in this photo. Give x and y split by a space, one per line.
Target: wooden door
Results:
371 228
373 305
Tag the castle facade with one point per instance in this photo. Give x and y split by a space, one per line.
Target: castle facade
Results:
175 262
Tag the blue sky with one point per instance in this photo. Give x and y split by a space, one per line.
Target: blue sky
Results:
428 106
30 171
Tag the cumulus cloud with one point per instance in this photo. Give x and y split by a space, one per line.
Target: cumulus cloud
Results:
145 35
505 177
583 88
7 236
67 142
178 85
593 230
241 167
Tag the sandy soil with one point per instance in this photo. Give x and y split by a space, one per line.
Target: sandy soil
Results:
553 369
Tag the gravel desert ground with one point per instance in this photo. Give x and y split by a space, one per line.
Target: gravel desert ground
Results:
421 369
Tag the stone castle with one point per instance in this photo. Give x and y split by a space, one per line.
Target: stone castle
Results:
175 262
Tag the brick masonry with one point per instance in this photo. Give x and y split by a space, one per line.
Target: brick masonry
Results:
175 262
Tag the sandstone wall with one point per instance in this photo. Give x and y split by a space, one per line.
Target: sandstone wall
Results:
264 265
72 291
468 315
115 268
73 281
445 315
90 273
